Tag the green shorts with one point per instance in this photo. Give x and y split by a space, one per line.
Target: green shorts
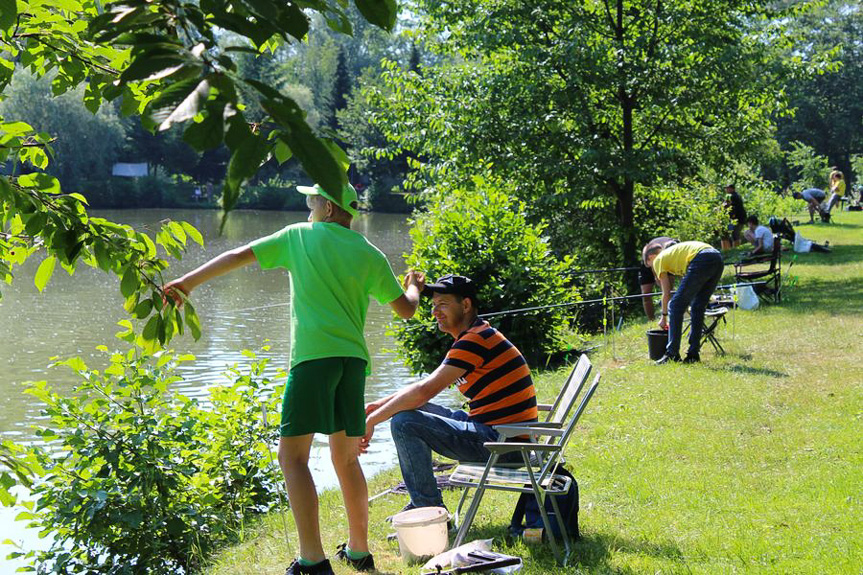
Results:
325 396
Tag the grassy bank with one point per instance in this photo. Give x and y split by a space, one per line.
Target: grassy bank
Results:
748 463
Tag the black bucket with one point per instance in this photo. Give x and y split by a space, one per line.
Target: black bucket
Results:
657 340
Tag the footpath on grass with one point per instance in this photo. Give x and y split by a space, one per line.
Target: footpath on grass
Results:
747 463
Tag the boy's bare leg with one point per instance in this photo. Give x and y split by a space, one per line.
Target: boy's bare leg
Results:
345 452
294 460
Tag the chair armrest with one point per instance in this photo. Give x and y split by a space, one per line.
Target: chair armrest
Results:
544 406
514 429
501 447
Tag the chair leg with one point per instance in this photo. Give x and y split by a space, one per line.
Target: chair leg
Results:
564 535
474 504
461 501
540 499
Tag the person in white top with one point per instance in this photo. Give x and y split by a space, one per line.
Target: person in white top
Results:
759 236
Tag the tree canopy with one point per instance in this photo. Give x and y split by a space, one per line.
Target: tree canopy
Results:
162 61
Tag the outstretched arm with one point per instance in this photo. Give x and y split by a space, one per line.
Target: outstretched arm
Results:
665 282
217 266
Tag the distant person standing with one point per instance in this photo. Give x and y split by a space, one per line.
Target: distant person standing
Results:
759 236
733 205
700 266
646 278
813 197
837 189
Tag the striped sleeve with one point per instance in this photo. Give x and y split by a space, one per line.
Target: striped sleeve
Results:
468 353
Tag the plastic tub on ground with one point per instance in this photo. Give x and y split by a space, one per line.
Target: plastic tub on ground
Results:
657 340
421 532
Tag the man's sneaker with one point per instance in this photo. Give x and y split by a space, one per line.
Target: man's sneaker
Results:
322 568
692 358
667 359
366 563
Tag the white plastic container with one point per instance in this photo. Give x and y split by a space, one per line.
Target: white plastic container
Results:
422 532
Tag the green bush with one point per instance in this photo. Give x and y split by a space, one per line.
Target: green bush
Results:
812 170
134 477
483 233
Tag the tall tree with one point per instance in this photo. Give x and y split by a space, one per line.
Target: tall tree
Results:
584 103
828 99
341 89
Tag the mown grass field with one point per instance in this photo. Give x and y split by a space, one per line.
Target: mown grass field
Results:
748 463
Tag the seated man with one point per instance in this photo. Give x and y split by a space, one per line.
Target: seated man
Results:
645 276
489 371
700 266
813 197
759 236
837 189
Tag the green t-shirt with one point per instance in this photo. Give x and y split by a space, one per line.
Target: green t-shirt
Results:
333 271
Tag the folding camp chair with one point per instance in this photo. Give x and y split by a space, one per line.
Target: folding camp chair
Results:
538 476
712 316
771 289
557 411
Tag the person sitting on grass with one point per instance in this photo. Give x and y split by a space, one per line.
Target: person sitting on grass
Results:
333 271
759 236
489 370
700 266
813 197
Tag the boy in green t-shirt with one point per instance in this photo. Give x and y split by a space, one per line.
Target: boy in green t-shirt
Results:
333 271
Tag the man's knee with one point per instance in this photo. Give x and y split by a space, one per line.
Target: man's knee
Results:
401 421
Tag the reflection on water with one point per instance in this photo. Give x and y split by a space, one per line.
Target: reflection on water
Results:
239 311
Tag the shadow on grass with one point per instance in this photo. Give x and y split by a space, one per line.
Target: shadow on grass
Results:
747 370
593 551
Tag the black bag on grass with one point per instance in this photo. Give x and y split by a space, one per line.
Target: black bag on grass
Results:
527 516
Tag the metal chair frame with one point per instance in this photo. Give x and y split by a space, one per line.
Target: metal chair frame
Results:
538 476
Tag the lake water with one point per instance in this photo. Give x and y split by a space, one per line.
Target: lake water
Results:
239 311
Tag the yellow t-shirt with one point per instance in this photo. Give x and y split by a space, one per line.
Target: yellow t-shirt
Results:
675 259
838 188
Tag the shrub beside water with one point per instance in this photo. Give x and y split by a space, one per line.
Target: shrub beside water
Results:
135 477
482 232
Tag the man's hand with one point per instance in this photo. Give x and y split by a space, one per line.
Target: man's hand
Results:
366 439
176 291
373 406
663 322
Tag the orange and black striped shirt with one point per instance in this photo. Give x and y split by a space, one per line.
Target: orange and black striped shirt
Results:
497 381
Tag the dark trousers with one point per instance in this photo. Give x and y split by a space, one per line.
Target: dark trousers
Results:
696 287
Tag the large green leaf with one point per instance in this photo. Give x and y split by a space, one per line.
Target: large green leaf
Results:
381 13
315 155
44 273
8 13
179 102
208 133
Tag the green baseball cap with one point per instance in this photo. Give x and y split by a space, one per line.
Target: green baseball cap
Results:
348 200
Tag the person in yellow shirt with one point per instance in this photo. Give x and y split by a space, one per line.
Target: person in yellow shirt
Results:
837 189
700 266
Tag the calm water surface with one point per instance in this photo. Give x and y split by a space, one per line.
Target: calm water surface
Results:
239 311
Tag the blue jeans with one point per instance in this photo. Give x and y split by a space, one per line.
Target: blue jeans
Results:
435 428
696 287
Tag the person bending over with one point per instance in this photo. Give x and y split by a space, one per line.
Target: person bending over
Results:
489 370
333 271
700 267
813 198
759 236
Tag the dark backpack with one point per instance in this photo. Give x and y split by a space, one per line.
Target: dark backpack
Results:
527 516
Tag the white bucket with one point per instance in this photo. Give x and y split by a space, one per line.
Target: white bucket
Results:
422 532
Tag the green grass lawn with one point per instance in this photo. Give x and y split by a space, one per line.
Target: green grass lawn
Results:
748 463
